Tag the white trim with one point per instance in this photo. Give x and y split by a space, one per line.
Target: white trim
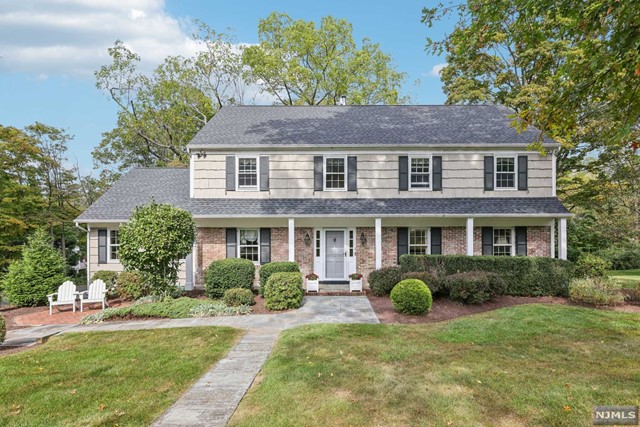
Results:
562 239
192 168
469 236
495 171
428 237
417 156
554 173
553 238
252 187
324 173
238 242
378 226
292 240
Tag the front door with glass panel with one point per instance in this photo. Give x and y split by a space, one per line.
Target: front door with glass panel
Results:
335 255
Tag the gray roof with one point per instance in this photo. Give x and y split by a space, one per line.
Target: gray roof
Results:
164 185
373 125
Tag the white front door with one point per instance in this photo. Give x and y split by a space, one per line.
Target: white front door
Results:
335 255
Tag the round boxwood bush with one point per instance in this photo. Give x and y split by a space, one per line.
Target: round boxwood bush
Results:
130 285
227 274
283 291
238 296
267 270
3 329
474 287
411 296
382 281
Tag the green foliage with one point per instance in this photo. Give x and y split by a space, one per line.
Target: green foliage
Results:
228 274
154 240
411 296
267 270
3 329
431 280
238 296
382 281
217 308
131 285
474 287
622 257
589 265
107 276
524 276
40 272
596 291
283 291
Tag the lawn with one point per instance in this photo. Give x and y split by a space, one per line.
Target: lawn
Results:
525 365
626 278
106 378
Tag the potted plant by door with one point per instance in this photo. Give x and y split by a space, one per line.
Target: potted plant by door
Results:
313 284
355 282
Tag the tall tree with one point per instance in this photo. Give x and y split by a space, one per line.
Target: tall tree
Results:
301 64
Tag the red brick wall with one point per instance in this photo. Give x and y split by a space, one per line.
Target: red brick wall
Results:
454 240
539 241
366 254
389 246
304 254
211 245
477 240
279 244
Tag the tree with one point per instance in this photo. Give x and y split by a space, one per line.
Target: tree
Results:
156 237
300 64
41 270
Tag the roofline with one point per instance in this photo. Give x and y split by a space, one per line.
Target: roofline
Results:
341 146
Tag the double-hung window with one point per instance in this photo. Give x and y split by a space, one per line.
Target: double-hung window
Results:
335 173
247 173
418 241
505 172
114 244
502 241
420 172
249 247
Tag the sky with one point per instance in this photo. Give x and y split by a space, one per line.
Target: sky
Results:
49 50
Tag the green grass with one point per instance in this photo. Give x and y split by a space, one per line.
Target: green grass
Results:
526 365
106 378
626 278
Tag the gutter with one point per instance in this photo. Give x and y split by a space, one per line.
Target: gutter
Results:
245 147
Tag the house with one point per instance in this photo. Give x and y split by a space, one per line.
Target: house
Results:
344 189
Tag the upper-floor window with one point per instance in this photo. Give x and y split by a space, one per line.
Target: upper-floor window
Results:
335 172
502 241
249 247
420 172
247 172
505 172
418 241
114 244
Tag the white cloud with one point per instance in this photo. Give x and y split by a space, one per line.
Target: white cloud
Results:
435 70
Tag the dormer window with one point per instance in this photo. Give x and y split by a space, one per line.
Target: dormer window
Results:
248 173
335 172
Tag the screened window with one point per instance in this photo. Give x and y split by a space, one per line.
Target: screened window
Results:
420 172
247 172
505 172
335 173
114 244
502 241
418 241
249 247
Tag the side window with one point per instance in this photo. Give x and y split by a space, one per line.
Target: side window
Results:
114 244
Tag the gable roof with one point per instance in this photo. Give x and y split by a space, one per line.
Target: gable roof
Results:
372 125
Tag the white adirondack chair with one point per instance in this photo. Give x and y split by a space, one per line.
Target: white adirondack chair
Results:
66 295
97 292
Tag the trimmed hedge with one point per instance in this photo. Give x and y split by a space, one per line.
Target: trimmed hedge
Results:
267 270
3 329
227 274
431 280
474 287
283 291
411 296
382 281
238 296
524 276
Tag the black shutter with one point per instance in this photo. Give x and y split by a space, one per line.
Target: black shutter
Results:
403 168
102 246
352 173
437 173
265 245
232 251
318 178
487 241
488 173
523 172
231 173
264 173
436 241
403 242
521 241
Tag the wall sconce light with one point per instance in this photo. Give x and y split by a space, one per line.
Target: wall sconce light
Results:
307 239
363 239
201 154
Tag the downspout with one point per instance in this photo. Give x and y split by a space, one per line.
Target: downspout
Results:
88 230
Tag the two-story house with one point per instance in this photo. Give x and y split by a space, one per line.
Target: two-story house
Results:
346 189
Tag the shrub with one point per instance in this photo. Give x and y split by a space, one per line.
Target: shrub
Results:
131 285
216 308
596 291
238 296
524 276
108 277
589 265
40 272
622 258
227 274
431 280
474 287
3 329
411 296
275 267
283 291
382 281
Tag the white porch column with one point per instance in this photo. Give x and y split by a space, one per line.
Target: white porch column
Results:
378 243
470 236
553 238
562 239
292 240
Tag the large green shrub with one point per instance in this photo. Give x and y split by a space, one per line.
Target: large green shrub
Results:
589 265
474 287
622 258
596 291
227 274
283 291
3 329
411 296
431 280
382 281
107 276
131 285
267 270
524 276
40 272
238 296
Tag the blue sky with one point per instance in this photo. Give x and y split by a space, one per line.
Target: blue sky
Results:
49 50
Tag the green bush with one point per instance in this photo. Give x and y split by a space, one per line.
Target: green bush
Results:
431 280
40 272
3 329
227 274
382 281
411 296
130 285
589 265
108 277
267 270
238 296
474 287
524 276
283 291
596 291
622 258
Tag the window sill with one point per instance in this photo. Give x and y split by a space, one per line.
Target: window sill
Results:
335 189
